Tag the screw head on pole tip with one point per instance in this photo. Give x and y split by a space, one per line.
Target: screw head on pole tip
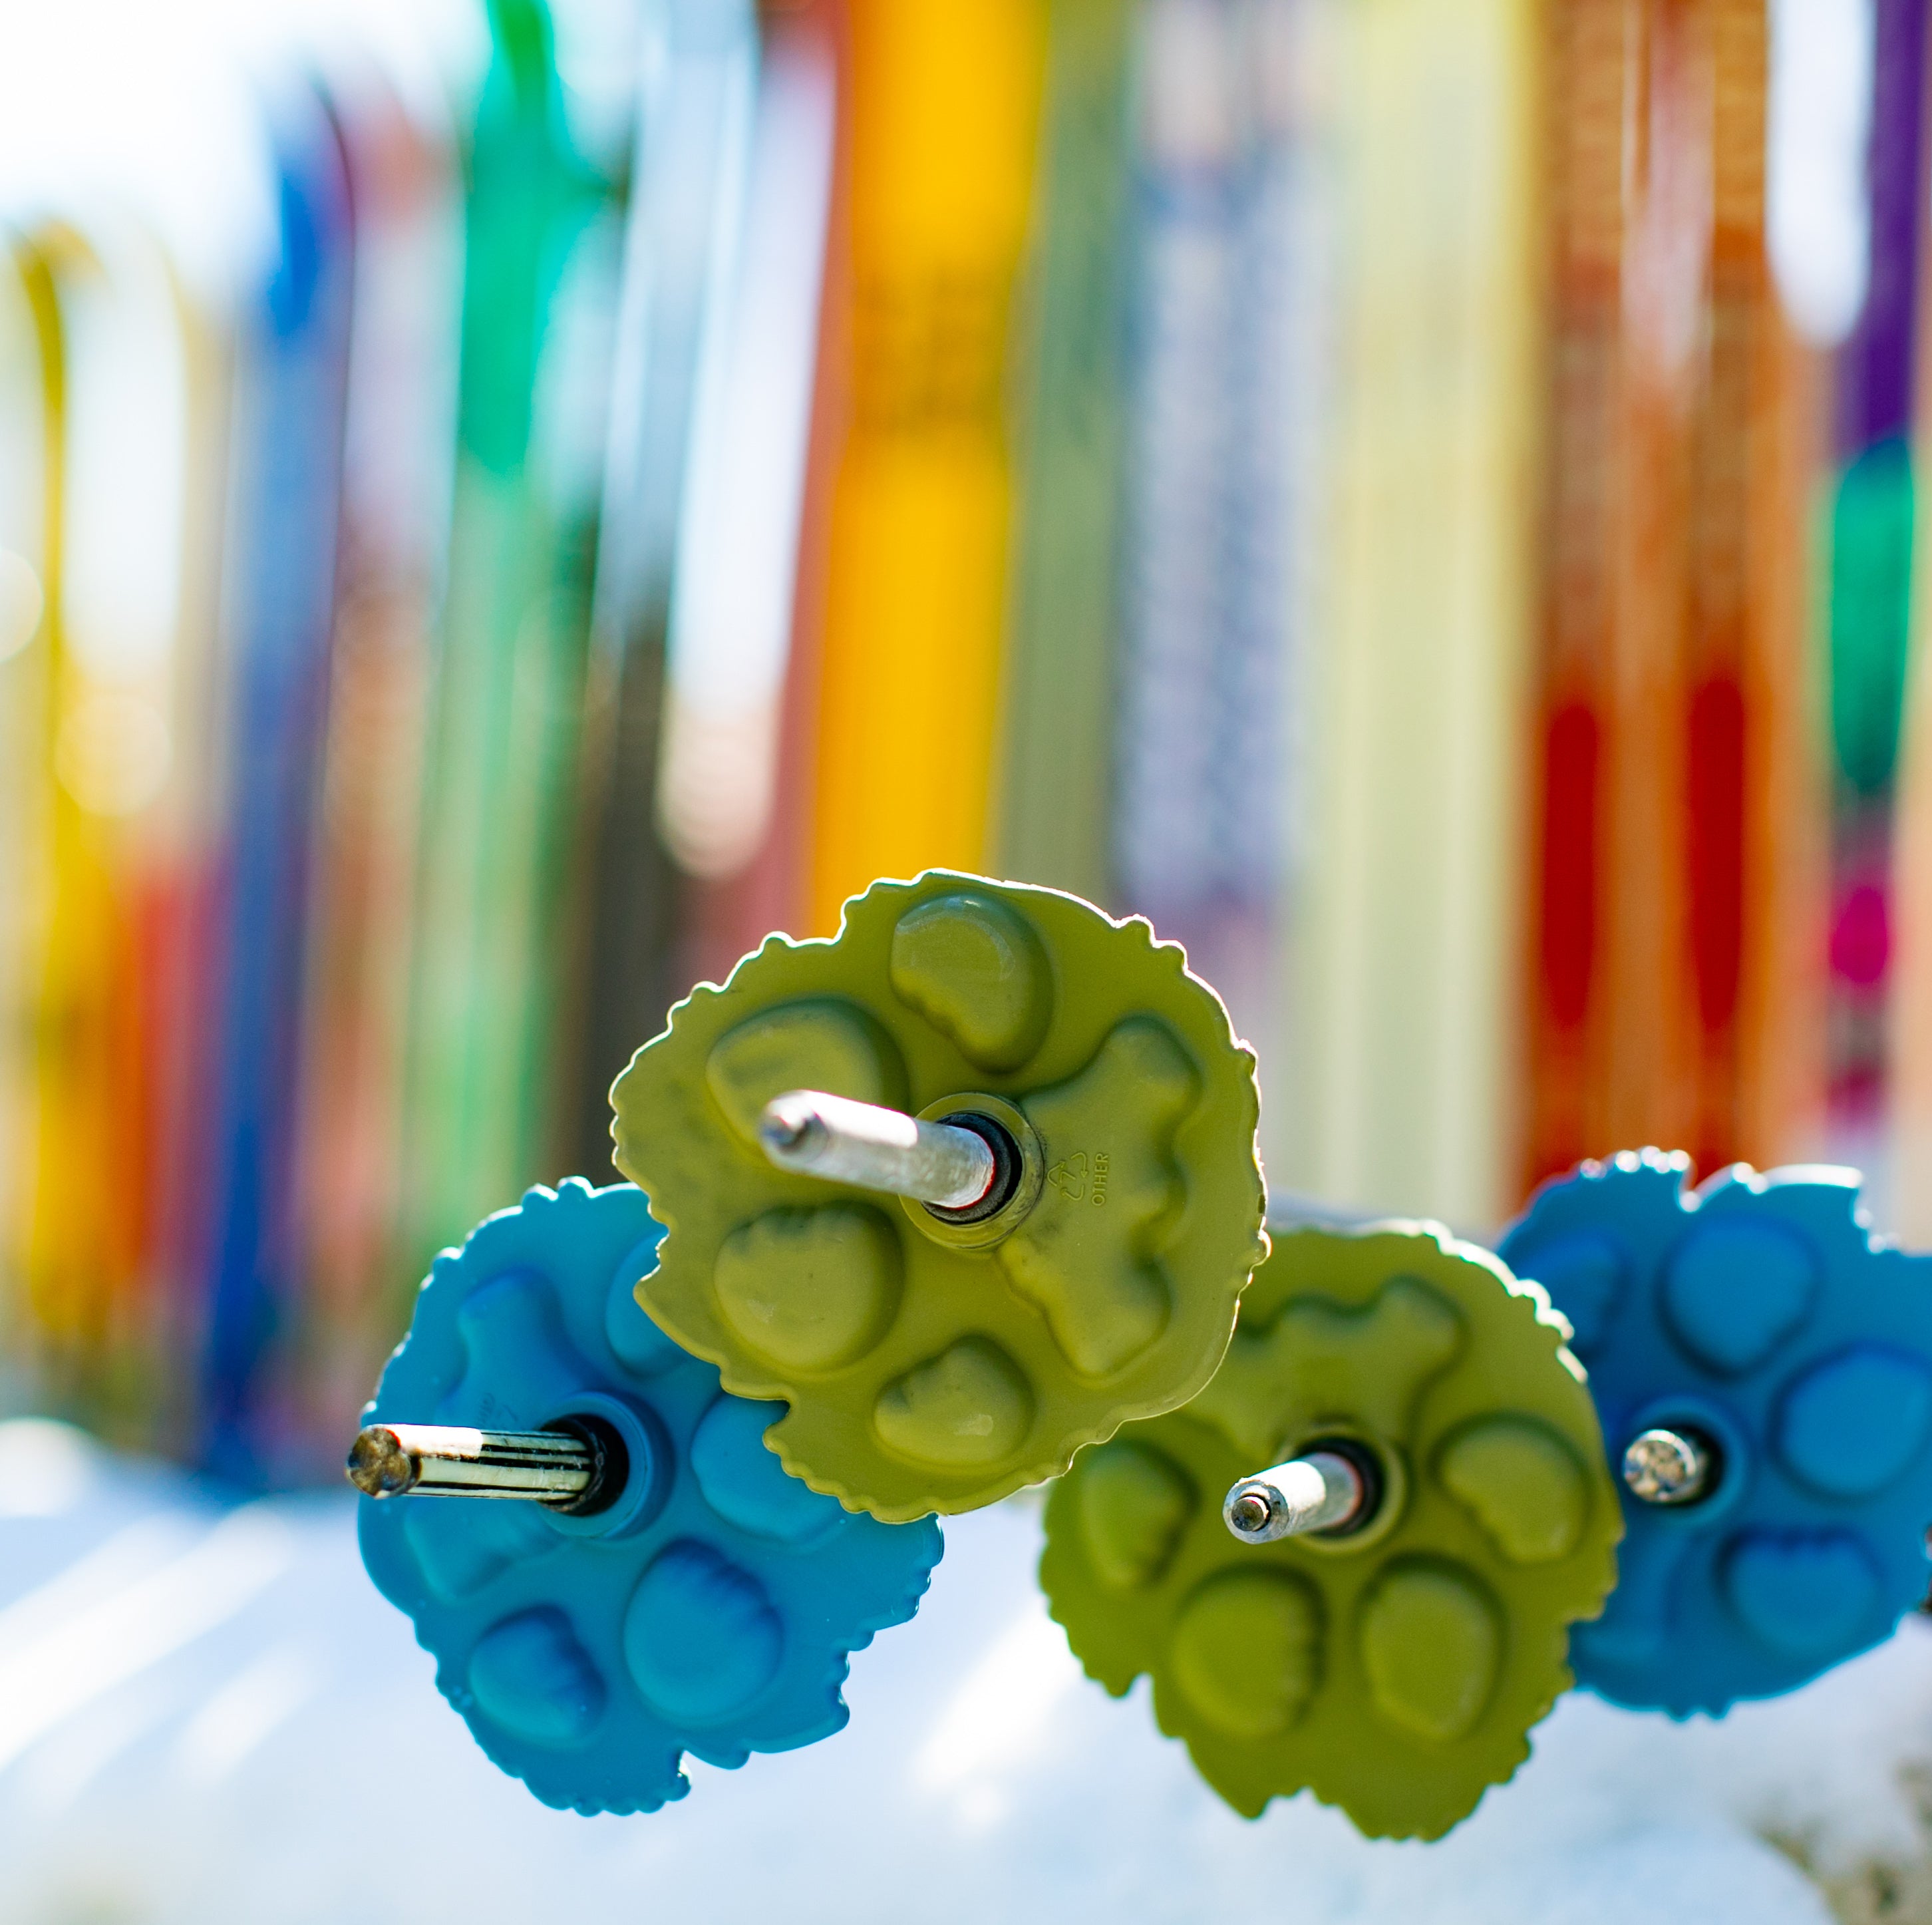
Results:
790 1123
1667 1466
1247 1511
379 1466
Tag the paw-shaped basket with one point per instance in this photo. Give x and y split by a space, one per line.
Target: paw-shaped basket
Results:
930 1364
1759 1314
710 1609
1397 1669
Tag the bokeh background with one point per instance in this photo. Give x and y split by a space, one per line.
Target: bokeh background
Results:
500 507
502 503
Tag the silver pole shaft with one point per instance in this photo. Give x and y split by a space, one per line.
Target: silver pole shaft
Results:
446 1461
1321 1491
815 1134
1665 1467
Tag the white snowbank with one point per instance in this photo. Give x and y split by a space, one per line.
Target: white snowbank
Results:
210 1716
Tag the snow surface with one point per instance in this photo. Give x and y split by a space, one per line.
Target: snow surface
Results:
207 1715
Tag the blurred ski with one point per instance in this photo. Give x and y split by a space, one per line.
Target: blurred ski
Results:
281 610
695 115
1054 783
490 958
944 105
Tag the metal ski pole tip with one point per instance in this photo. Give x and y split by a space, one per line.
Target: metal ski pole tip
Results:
815 1133
567 1468
1322 1491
